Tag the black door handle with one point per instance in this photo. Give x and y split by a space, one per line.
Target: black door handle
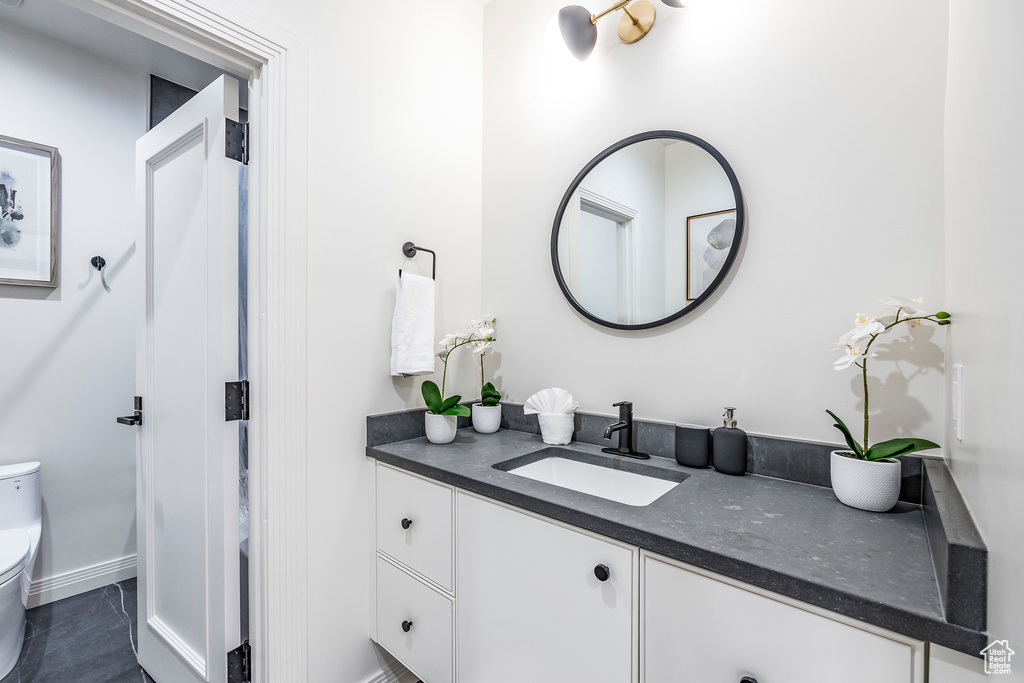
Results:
602 572
406 625
132 420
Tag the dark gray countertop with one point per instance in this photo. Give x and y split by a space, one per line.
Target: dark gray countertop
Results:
791 538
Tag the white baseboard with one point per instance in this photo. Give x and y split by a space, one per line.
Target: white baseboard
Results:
82 580
394 673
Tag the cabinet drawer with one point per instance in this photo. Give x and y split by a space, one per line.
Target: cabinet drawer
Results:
697 629
403 601
414 524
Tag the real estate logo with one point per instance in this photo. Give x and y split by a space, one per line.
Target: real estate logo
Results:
997 657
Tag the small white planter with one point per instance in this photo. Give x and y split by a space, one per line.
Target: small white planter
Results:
866 485
441 428
556 429
486 419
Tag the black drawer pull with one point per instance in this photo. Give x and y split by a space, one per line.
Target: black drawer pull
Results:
406 625
406 523
602 573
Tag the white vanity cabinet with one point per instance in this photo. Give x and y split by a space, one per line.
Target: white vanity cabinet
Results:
699 628
531 606
468 590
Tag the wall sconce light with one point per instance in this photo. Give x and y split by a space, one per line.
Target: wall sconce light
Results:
579 26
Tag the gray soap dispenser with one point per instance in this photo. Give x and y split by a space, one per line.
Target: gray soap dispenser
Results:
729 446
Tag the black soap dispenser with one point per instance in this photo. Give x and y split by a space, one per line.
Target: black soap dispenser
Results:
729 446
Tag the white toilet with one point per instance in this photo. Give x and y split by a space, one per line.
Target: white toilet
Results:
20 524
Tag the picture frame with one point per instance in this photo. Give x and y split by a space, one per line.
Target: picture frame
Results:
709 239
30 199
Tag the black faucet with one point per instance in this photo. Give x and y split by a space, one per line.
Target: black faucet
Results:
625 429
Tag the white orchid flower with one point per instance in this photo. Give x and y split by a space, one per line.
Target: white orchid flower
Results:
866 326
911 307
445 346
854 353
885 315
481 347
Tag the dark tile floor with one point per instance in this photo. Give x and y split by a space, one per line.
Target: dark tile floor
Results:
88 638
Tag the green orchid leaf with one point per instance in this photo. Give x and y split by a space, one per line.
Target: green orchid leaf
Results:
461 411
850 441
448 403
894 448
887 449
431 396
489 396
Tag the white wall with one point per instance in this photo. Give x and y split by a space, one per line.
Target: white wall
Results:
984 281
68 354
395 155
830 114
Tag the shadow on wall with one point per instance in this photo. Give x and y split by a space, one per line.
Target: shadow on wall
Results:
31 368
894 413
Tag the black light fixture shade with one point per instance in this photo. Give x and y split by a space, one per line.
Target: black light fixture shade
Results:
674 3
578 30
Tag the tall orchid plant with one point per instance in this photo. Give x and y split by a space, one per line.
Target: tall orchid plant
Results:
856 346
479 336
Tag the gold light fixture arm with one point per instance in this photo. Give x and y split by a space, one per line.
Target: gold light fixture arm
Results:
621 4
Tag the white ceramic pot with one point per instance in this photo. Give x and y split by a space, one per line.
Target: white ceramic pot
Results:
486 419
556 429
441 428
866 485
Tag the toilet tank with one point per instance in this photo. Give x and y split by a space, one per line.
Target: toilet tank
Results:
20 497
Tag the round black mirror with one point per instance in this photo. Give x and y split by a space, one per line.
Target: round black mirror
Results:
647 230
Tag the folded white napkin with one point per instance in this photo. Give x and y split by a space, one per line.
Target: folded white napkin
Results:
412 328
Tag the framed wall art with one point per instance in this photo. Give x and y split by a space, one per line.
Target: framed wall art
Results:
709 238
29 213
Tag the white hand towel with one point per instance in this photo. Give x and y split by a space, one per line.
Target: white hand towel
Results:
412 329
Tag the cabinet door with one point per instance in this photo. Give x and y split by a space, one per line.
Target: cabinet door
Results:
700 630
530 607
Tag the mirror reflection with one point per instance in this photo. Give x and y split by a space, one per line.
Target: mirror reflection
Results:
648 232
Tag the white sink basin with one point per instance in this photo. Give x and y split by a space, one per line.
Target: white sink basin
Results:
612 484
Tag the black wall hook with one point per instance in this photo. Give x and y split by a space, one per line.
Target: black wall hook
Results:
98 262
410 249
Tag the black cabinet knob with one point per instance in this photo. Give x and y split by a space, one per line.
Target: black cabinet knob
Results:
406 625
748 679
406 523
602 572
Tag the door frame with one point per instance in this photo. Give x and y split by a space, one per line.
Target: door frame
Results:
275 62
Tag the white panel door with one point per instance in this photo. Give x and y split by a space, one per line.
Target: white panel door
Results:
187 348
530 607
700 630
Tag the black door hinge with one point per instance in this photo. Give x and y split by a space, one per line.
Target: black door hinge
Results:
240 664
236 141
236 401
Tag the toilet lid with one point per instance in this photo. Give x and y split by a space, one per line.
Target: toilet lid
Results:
14 547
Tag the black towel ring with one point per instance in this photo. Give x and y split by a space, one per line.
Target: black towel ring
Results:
410 249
